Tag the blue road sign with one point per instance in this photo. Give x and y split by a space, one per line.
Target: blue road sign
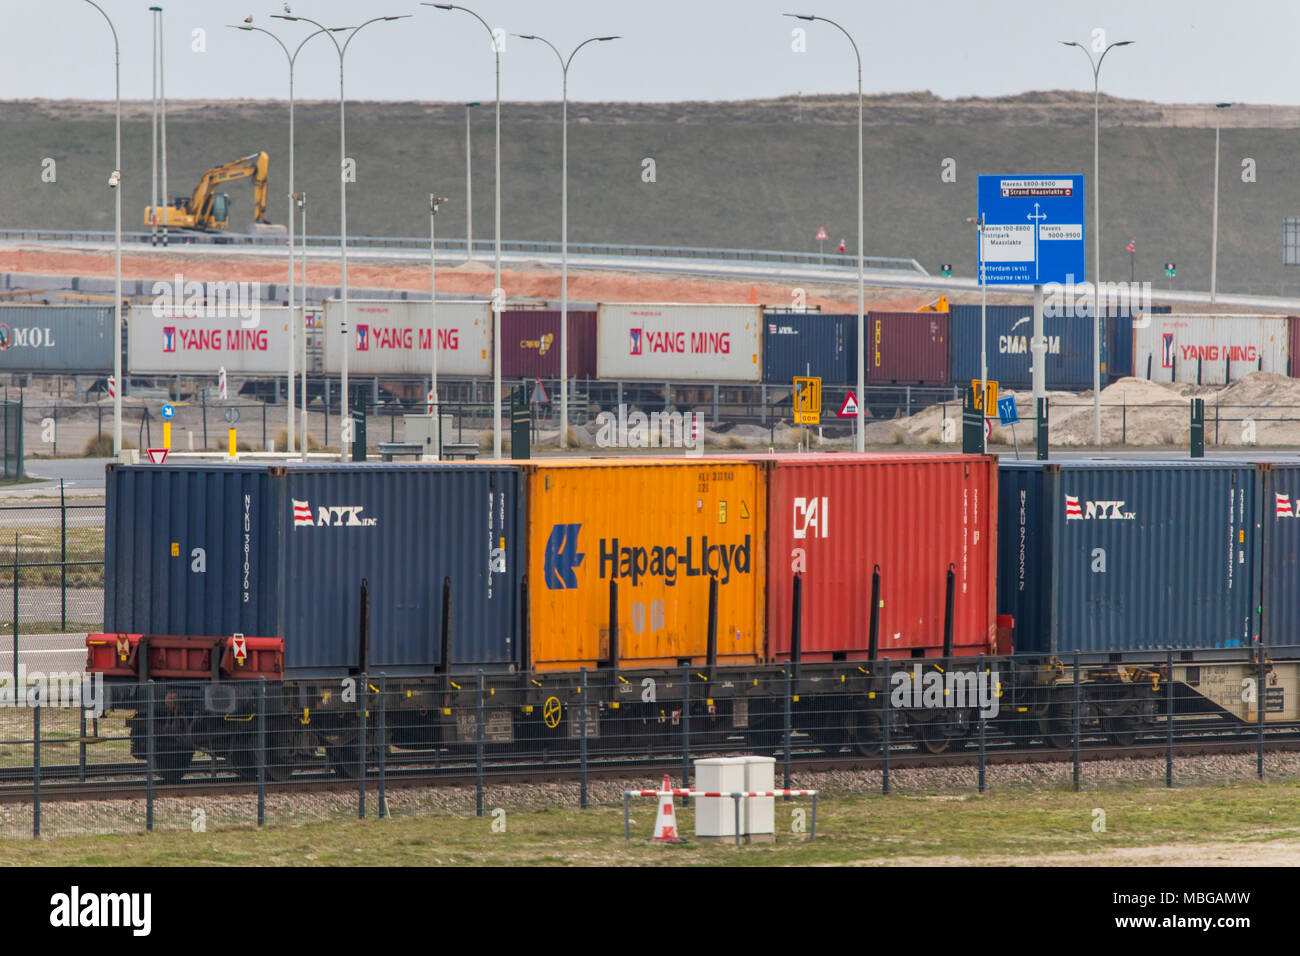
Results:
168 412
1033 229
1007 413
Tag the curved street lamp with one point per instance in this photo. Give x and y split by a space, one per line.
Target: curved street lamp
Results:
564 225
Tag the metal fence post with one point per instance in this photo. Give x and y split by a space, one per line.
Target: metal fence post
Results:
15 617
785 735
261 751
81 743
886 718
63 558
1169 719
149 758
361 746
36 768
1259 714
1077 717
686 726
582 737
478 749
382 734
981 719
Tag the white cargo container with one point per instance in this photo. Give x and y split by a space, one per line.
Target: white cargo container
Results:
394 336
1211 349
177 341
672 342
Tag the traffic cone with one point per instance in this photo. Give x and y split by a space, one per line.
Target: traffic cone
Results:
665 819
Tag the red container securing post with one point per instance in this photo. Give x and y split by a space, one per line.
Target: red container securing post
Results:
186 657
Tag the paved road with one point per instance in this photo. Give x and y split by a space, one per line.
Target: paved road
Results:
44 652
81 474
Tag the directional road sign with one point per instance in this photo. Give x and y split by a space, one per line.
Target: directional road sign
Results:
850 407
1007 412
168 412
807 401
1033 230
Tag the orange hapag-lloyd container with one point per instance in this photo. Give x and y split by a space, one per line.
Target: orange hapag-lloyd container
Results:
660 529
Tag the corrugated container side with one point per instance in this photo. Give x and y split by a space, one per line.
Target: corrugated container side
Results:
659 528
1280 565
394 337
1141 556
1024 554
1121 350
465 523
191 550
809 343
676 342
176 343
1010 329
1293 346
56 338
530 343
834 518
1211 349
907 348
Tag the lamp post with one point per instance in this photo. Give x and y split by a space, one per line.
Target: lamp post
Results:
115 183
1214 241
859 444
300 200
564 226
434 202
293 321
343 200
469 189
978 223
1096 228
496 288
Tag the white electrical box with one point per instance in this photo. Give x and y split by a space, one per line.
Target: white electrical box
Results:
421 430
715 817
758 815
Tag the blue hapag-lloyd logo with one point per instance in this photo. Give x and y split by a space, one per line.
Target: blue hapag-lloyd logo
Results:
562 557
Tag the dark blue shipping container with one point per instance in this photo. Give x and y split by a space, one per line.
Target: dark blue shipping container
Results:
276 551
1128 556
1121 350
809 343
1280 565
1010 329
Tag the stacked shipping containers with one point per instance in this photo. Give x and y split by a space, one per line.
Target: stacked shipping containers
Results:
530 343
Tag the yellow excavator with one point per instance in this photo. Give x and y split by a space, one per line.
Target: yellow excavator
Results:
208 210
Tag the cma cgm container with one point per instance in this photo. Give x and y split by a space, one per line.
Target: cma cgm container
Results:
394 337
56 338
530 343
1010 329
835 518
277 551
907 348
660 530
809 343
1116 556
673 342
1211 349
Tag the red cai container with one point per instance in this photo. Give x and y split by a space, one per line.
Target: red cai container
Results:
530 343
835 517
907 348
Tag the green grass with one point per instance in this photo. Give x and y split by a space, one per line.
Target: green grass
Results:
60 732
998 827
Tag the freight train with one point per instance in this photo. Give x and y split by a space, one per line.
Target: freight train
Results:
727 582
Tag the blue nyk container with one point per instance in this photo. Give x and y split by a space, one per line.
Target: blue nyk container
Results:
1280 565
1127 556
1010 329
809 343
283 551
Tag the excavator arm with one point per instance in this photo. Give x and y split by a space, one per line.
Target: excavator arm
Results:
203 210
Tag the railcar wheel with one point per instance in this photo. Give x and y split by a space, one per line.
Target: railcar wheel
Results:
172 759
1121 729
934 738
865 731
1056 726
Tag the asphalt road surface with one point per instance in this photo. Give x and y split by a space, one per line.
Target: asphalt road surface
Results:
77 473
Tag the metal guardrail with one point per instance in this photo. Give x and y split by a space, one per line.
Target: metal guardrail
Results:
485 247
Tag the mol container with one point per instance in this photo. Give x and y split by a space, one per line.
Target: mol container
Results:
1128 556
835 518
809 343
56 338
659 530
394 337
276 551
1210 349
530 343
673 342
907 348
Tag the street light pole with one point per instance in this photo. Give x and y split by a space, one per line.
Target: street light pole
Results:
343 202
862 340
115 182
564 226
1096 228
1214 241
497 293
293 319
434 203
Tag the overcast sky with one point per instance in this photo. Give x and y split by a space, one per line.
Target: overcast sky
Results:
1185 50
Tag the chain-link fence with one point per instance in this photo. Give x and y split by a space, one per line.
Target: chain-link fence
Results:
183 755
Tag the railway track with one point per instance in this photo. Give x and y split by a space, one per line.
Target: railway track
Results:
213 778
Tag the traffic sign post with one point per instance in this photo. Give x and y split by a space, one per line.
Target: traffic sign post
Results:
808 401
1040 413
1008 415
973 425
821 241
168 412
986 401
945 270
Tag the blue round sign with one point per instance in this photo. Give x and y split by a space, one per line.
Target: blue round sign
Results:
168 411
